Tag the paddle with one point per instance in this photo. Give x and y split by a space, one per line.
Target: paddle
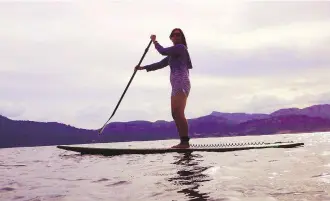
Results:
113 113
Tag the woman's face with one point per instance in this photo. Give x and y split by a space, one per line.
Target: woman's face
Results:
176 37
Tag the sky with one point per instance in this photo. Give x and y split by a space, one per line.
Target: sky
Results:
70 61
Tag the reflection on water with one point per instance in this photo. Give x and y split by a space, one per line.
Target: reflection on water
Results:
190 176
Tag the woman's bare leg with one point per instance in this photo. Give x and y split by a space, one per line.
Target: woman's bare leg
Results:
178 104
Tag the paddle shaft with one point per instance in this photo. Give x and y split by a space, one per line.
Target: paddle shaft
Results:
113 113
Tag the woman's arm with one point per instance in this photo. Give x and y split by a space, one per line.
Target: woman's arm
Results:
173 50
158 65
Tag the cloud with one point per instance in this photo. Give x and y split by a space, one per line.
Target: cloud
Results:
70 61
265 103
269 63
11 110
324 98
272 13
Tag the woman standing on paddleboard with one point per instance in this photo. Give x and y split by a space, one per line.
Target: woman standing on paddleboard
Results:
177 57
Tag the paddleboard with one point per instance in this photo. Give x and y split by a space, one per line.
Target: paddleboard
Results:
108 151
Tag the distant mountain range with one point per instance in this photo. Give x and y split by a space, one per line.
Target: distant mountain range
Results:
315 118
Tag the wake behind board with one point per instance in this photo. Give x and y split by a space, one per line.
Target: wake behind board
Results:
195 147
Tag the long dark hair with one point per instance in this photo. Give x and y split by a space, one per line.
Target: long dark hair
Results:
182 36
184 43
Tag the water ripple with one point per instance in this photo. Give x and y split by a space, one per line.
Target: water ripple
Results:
101 180
47 173
7 189
118 183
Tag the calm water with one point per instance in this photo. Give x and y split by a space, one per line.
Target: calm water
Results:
48 173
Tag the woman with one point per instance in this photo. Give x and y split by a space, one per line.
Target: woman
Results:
177 57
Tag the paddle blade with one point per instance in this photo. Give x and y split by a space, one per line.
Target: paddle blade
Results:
101 130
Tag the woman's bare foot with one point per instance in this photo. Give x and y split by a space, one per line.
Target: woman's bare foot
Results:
181 146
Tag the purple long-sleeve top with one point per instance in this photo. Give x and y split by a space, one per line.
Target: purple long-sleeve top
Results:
176 57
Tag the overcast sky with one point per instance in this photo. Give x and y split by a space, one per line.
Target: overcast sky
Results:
70 61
